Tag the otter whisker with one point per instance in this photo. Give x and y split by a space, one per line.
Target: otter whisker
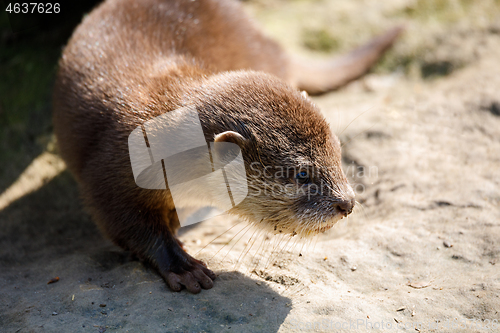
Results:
303 244
248 227
259 253
270 247
218 237
364 131
249 246
359 115
360 206
275 254
229 241
298 291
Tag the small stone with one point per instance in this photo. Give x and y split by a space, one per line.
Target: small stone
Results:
54 313
102 305
447 244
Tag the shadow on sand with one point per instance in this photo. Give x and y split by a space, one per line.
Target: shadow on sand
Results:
47 234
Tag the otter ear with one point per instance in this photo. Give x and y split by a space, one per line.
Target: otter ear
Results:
226 147
230 136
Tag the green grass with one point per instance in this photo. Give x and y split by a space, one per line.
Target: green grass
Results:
320 40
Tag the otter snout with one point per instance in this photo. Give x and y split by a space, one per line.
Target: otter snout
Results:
345 206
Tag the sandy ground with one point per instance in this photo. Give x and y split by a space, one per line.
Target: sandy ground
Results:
420 253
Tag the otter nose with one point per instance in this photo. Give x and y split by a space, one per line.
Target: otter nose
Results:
345 207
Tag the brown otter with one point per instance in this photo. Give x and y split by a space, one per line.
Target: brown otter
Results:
131 61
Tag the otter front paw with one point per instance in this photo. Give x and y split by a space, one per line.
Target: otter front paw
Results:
193 274
178 268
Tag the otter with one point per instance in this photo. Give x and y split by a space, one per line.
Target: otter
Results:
131 61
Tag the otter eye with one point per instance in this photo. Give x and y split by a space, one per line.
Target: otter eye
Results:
302 177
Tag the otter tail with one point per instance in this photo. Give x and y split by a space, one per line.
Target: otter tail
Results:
322 76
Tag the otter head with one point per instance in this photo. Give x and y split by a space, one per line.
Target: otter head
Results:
292 159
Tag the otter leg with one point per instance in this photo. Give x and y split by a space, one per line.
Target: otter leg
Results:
176 266
150 235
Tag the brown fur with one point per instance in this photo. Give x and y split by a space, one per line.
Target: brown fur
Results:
130 61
